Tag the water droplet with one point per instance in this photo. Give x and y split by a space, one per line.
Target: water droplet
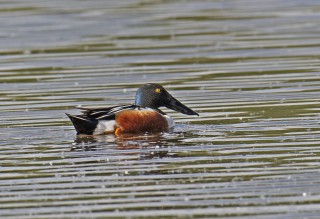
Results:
304 194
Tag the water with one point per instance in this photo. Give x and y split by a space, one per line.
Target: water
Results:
250 68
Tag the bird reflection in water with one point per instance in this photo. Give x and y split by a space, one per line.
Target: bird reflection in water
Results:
147 145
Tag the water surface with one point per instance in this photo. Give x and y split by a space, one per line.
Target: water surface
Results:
250 68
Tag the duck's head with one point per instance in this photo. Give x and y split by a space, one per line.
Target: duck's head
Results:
154 96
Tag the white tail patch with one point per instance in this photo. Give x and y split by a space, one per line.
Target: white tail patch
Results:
105 126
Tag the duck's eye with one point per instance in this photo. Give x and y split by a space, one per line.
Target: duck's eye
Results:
158 90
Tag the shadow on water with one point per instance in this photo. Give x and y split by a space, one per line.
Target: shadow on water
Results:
147 146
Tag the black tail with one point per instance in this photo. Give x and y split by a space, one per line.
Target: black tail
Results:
83 124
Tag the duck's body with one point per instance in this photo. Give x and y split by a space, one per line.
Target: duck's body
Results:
128 119
143 116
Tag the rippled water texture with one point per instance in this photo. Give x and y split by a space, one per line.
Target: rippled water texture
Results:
250 68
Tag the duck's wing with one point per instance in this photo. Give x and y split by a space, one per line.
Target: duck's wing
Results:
87 122
106 113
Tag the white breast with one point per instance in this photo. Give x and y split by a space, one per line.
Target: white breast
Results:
170 121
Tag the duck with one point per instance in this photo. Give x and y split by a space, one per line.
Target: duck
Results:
141 117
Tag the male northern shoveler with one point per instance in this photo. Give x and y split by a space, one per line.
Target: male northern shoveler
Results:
143 116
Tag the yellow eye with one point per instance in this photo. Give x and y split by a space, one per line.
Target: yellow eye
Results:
158 90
